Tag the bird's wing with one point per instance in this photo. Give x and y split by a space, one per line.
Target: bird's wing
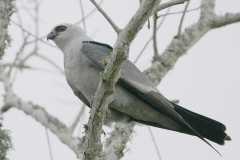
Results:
133 80
99 53
131 77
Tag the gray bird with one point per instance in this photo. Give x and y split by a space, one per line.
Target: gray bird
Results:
135 95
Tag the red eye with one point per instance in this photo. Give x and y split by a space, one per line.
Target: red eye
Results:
60 28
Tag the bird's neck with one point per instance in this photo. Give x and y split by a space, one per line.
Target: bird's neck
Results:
71 46
72 52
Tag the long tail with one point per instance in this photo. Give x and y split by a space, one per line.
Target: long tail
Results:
190 122
207 127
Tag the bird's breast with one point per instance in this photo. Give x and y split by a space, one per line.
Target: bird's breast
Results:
81 75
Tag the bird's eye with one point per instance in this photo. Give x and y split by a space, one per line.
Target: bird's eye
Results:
60 28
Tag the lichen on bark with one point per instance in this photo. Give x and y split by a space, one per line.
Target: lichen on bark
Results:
5 143
6 10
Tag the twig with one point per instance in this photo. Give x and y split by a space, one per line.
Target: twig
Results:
182 18
20 22
33 35
151 38
110 21
77 119
169 4
46 59
18 54
15 65
154 36
83 16
49 144
36 24
154 143
179 12
88 14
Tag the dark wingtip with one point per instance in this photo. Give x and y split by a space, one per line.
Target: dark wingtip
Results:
227 138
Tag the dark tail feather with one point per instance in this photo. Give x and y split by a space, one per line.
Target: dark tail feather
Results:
207 127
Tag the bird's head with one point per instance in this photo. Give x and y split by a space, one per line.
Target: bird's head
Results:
63 34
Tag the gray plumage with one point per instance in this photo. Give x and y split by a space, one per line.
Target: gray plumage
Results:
135 96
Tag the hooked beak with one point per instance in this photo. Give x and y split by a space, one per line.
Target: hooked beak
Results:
51 35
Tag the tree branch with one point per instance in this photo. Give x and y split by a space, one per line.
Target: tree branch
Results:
228 18
181 44
114 26
104 94
116 143
40 115
44 118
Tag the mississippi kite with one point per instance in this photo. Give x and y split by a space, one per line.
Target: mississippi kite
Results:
135 95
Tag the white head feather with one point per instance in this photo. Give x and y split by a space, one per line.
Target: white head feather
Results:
67 35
